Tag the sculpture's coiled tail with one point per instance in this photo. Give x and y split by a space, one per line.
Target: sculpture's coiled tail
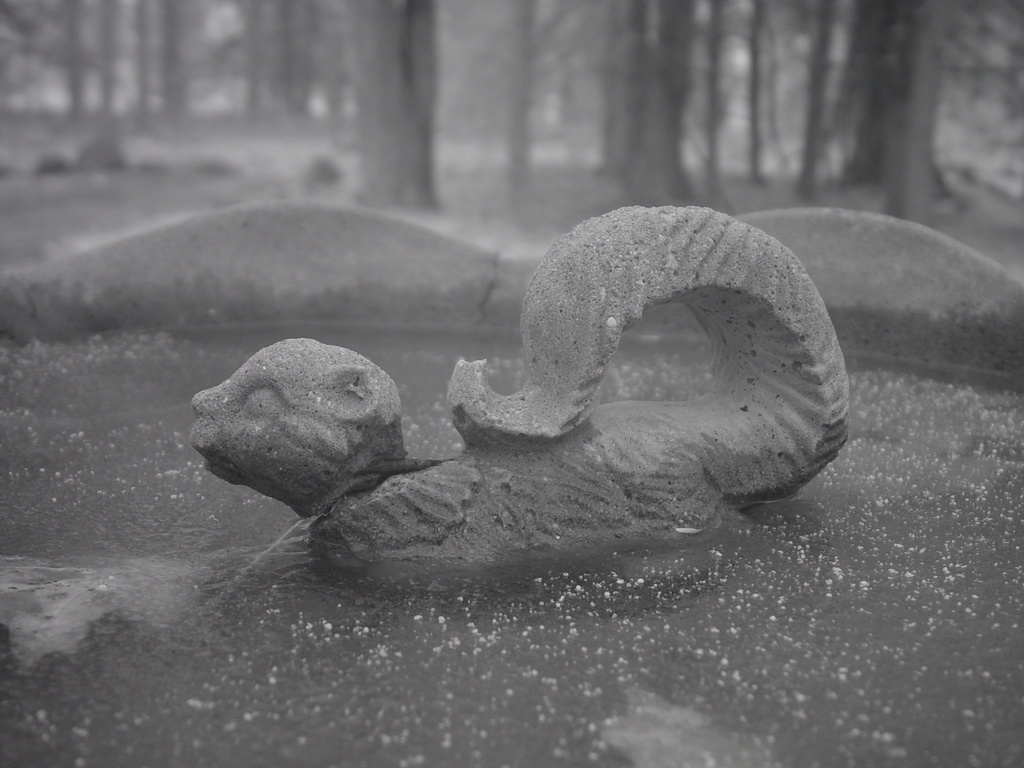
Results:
780 396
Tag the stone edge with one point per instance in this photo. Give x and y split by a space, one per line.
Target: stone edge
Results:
962 335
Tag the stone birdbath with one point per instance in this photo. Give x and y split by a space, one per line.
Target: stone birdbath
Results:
655 550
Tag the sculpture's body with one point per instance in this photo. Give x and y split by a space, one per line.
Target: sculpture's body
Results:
316 426
623 473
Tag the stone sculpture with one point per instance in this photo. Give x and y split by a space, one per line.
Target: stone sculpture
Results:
319 427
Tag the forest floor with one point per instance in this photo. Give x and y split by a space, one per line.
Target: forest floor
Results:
200 166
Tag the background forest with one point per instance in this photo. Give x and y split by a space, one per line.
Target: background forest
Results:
528 114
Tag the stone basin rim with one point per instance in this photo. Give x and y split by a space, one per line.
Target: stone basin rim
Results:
351 264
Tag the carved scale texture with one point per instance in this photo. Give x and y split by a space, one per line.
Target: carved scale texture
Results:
779 408
488 503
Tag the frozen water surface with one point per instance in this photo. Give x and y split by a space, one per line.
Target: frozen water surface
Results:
875 620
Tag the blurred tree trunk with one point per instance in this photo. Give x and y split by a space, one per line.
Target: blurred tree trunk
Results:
756 31
335 55
622 83
910 175
396 83
866 93
296 29
284 48
660 84
143 75
74 60
173 81
308 30
520 101
817 83
715 32
109 55
772 76
255 56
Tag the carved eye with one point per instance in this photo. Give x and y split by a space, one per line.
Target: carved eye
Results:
262 403
350 387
